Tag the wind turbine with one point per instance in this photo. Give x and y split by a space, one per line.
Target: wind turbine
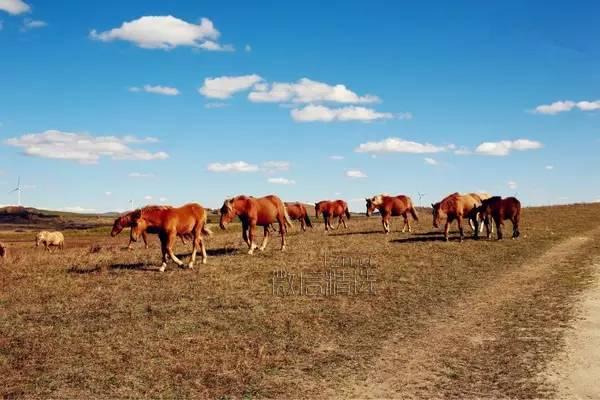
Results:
18 189
421 195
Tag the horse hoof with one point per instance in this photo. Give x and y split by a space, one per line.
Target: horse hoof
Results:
162 268
191 265
204 261
251 252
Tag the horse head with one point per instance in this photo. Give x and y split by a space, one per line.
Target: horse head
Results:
370 207
120 224
228 213
317 210
437 214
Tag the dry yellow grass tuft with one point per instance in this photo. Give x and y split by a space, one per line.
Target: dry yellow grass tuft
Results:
99 321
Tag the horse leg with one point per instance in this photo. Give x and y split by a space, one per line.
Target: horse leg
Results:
251 238
405 217
144 238
344 222
326 219
515 222
245 234
263 246
163 249
498 228
302 225
195 236
171 238
488 225
283 232
446 230
459 221
386 224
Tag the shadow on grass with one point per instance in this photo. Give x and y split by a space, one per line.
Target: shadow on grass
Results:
432 237
342 233
130 267
223 251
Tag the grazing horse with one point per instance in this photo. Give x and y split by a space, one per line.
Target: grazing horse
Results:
126 221
170 222
455 207
255 212
499 210
297 211
49 240
389 207
330 210
478 220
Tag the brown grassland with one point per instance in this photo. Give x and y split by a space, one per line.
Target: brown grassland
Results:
477 319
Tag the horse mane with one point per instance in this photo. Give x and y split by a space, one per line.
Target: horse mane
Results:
491 200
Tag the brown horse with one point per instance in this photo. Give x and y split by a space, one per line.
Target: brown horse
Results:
455 207
389 207
332 209
499 210
298 212
254 212
170 222
125 221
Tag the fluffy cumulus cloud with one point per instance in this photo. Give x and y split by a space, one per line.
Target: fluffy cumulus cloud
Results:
225 86
320 113
355 174
430 161
14 7
281 181
505 147
164 32
237 166
307 91
156 89
83 148
397 145
567 105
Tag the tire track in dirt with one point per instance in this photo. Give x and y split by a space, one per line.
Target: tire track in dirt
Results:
414 369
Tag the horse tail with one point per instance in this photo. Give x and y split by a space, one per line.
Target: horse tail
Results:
288 221
307 219
413 212
205 231
347 212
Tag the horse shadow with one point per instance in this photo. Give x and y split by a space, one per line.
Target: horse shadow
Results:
353 233
131 267
223 251
429 237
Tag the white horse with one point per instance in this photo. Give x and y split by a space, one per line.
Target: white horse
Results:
50 239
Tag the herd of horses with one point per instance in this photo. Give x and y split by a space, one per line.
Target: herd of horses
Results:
189 221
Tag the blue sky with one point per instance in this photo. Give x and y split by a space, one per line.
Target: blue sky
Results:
180 101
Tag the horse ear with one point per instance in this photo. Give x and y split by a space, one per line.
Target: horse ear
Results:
432 205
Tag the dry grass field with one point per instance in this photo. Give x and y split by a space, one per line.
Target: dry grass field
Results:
403 315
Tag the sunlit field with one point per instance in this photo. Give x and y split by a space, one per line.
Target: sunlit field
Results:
351 313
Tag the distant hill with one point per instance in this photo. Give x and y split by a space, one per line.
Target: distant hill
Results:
14 217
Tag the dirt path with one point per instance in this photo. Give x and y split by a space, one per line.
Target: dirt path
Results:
415 368
576 370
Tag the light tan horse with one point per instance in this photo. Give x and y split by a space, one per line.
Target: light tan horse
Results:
455 207
478 219
389 207
331 210
170 222
49 240
254 212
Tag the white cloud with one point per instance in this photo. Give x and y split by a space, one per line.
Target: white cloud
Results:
108 193
271 166
215 105
214 46
404 115
148 198
462 151
29 24
354 173
336 158
281 181
512 185
238 166
589 105
81 147
307 91
140 175
504 147
567 105
549 167
397 145
156 89
320 113
225 86
430 161
164 32
14 7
